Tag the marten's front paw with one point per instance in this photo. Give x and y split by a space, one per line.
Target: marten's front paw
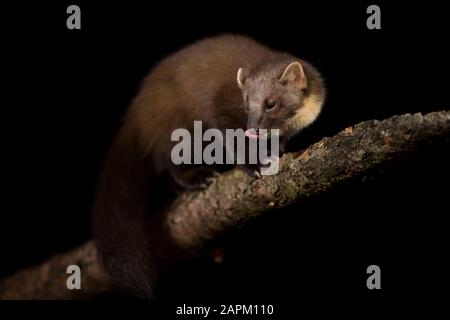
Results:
251 170
205 181
194 179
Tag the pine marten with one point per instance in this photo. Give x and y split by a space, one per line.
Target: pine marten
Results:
228 82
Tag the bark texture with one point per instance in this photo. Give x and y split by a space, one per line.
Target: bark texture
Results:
234 198
48 280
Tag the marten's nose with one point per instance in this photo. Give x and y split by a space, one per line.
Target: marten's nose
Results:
254 120
253 124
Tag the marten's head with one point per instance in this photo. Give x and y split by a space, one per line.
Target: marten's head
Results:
280 95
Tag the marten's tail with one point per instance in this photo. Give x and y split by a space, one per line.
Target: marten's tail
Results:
120 226
126 257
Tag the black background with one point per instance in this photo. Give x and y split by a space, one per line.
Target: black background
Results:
67 89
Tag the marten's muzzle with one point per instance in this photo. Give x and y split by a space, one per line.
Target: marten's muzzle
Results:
253 125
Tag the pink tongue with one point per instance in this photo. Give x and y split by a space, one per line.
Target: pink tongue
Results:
251 133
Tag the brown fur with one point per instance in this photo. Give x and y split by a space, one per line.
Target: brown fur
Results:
195 83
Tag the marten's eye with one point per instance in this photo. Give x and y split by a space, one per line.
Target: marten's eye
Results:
270 105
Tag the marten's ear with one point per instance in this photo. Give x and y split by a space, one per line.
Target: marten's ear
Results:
294 74
241 75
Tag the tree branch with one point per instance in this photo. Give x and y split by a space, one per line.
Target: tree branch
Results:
48 280
234 198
